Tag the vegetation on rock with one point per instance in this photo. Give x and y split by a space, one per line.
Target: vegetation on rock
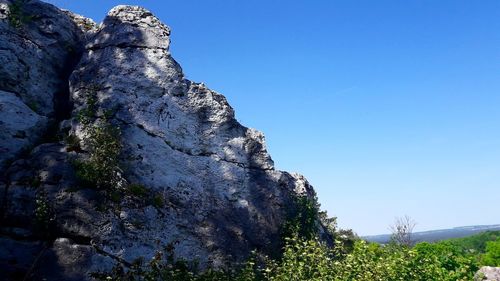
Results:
17 16
101 169
310 259
103 141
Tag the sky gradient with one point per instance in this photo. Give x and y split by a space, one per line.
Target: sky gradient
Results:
389 108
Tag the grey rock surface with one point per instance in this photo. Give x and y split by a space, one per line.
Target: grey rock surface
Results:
39 45
19 126
182 141
488 273
220 195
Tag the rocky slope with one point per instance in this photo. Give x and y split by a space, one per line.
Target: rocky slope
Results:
190 177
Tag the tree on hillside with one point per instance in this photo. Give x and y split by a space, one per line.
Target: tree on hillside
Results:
402 231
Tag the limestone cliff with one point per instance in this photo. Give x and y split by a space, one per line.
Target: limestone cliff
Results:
207 186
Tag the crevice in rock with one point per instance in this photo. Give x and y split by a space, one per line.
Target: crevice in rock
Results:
104 253
75 238
61 100
125 46
3 205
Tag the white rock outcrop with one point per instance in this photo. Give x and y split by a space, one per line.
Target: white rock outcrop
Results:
183 142
220 195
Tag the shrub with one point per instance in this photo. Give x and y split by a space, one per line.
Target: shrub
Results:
88 114
311 260
103 141
302 219
303 259
44 215
492 255
101 170
158 201
138 190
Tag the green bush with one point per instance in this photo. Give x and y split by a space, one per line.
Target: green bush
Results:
44 215
302 219
101 170
158 201
311 260
476 243
87 115
102 140
138 190
492 255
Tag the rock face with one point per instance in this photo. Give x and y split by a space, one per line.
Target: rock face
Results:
39 45
216 193
488 273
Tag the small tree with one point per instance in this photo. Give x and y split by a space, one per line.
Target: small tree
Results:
402 231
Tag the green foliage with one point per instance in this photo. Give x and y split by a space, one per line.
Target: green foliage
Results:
344 238
101 170
302 219
44 215
158 201
482 247
311 260
145 196
492 255
17 16
87 25
103 141
302 260
138 190
88 114
475 243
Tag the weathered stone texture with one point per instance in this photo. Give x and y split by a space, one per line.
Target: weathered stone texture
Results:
222 197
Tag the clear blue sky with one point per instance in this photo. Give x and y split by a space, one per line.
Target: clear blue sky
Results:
387 107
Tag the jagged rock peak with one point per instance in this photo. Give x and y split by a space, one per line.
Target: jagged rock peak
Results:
208 184
131 26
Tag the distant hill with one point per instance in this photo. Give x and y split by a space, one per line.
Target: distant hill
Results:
437 235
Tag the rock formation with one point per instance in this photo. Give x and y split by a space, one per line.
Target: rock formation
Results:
488 273
206 185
